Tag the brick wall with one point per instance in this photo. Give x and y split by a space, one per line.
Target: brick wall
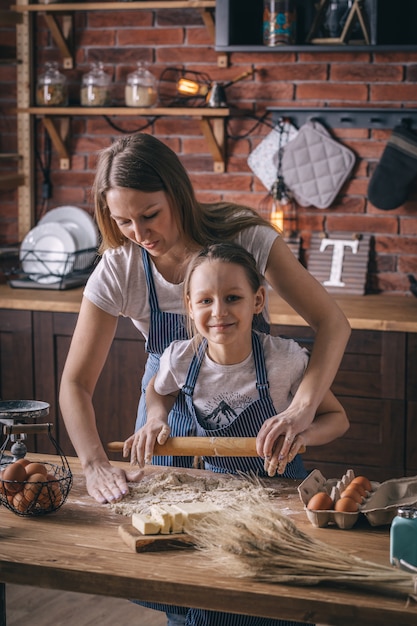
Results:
178 37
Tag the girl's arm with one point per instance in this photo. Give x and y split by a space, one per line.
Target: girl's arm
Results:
329 423
141 444
310 300
88 352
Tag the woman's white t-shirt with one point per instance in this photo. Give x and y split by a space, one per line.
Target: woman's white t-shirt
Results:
118 283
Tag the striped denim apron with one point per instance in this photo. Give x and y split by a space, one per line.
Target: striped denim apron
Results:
164 328
246 424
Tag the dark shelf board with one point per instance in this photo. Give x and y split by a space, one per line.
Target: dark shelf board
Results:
347 117
320 48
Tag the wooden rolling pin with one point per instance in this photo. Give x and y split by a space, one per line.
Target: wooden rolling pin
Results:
201 446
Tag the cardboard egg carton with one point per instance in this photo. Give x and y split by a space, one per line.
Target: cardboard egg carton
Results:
316 482
379 507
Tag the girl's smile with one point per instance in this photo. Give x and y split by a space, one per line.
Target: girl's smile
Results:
222 304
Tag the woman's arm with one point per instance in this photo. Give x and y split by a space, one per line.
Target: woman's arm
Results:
310 300
87 355
329 423
141 444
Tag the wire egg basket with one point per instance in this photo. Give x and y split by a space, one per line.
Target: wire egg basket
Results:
31 487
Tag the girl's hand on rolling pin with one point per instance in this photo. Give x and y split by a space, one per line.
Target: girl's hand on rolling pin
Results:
142 443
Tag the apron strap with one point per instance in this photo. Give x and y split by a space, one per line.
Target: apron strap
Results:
153 300
194 369
262 383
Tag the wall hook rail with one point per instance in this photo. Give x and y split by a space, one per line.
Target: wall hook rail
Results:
348 118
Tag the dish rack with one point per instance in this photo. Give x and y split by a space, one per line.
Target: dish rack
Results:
43 269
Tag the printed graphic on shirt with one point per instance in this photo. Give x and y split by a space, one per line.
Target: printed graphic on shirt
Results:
223 409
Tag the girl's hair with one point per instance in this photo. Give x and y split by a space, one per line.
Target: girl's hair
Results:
143 162
225 253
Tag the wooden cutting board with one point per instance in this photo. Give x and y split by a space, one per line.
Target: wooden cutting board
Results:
153 543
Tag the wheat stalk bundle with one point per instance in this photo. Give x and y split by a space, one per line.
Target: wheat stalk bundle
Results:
254 540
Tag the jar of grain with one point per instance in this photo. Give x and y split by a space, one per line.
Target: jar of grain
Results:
140 89
95 87
51 87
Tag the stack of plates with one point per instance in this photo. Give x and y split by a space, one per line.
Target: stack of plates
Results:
64 241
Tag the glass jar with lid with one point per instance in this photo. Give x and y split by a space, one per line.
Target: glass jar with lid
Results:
51 87
141 88
95 87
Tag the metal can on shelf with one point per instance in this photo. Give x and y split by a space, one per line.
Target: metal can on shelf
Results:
403 536
279 22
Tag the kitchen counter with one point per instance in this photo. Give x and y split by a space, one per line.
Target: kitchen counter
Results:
373 312
78 549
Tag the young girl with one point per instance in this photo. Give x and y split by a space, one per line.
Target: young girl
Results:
235 380
151 226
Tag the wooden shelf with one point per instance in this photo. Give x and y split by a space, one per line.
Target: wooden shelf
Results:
239 26
8 55
63 34
212 123
130 111
10 181
59 18
119 6
9 18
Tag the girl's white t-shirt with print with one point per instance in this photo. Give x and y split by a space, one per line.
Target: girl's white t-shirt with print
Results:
222 392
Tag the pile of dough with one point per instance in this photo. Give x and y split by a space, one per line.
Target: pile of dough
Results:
165 519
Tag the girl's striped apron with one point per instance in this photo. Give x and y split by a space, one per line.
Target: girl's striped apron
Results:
246 424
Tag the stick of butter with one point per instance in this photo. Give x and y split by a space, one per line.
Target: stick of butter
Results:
163 517
145 524
194 511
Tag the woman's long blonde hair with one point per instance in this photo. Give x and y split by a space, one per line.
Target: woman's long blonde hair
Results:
145 163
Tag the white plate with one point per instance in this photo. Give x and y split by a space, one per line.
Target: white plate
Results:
46 253
80 224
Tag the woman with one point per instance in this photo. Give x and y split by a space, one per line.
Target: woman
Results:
151 226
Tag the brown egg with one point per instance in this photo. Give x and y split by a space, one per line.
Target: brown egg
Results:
23 461
14 472
35 488
36 468
20 503
320 502
363 481
352 492
358 487
346 505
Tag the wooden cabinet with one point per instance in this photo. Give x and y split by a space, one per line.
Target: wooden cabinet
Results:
376 383
411 396
391 26
34 347
371 385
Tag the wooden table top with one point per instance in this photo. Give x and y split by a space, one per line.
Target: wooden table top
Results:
78 549
373 312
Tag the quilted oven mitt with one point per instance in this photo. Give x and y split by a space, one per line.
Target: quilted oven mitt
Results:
315 166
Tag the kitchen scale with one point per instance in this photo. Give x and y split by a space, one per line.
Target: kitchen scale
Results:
48 493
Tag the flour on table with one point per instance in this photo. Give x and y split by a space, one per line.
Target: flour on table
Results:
177 487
